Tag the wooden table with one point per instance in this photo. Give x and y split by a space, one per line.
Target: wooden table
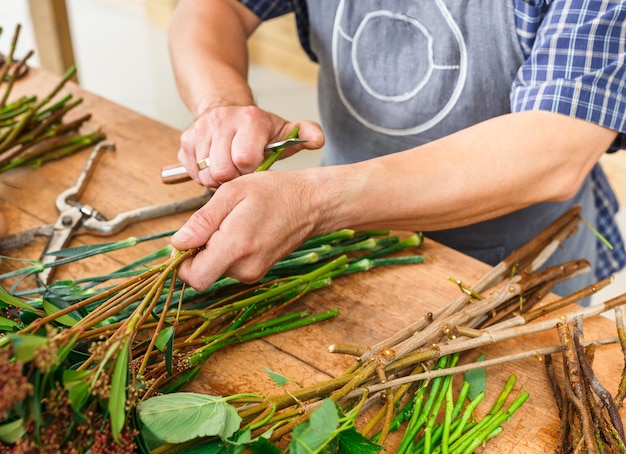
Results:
372 305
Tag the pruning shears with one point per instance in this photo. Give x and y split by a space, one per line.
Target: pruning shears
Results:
76 218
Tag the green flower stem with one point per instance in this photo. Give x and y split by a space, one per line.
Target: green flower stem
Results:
508 387
257 331
412 259
486 427
452 412
158 329
13 77
443 431
9 60
35 326
412 241
306 258
275 155
149 299
16 130
212 314
351 382
236 331
64 79
82 252
469 410
48 112
420 418
367 264
434 414
327 238
263 419
76 144
47 120
14 109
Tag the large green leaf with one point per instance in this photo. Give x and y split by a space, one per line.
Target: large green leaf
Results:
11 300
50 309
77 385
25 346
10 432
117 396
477 378
180 417
164 337
7 324
309 437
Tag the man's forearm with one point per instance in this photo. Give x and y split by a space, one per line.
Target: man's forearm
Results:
207 42
488 170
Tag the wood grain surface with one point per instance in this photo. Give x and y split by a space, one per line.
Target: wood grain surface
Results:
372 305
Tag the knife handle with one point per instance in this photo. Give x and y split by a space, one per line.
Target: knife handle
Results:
174 174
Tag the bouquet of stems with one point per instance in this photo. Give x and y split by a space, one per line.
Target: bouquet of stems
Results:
100 364
33 131
77 359
100 367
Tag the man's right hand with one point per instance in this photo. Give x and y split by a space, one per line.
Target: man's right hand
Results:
233 138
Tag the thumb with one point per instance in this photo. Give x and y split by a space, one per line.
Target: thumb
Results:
196 231
312 131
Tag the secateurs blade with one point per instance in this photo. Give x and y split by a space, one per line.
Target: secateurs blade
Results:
76 218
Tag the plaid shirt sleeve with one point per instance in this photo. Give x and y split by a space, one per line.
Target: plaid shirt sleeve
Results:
576 51
269 9
576 60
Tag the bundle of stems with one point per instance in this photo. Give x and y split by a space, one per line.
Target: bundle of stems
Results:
34 131
502 305
97 358
590 419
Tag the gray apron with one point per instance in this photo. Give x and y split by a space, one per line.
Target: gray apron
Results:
397 74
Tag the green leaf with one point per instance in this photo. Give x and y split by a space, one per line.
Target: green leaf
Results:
117 396
263 446
277 378
12 431
477 379
352 442
180 417
51 309
76 383
325 418
25 346
78 250
164 337
169 356
7 324
11 300
312 436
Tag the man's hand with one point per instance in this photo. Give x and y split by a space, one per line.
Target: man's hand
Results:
249 224
233 138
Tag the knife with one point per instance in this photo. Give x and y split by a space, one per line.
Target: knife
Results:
177 173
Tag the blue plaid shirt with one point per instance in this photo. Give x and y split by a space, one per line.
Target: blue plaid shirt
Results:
575 65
